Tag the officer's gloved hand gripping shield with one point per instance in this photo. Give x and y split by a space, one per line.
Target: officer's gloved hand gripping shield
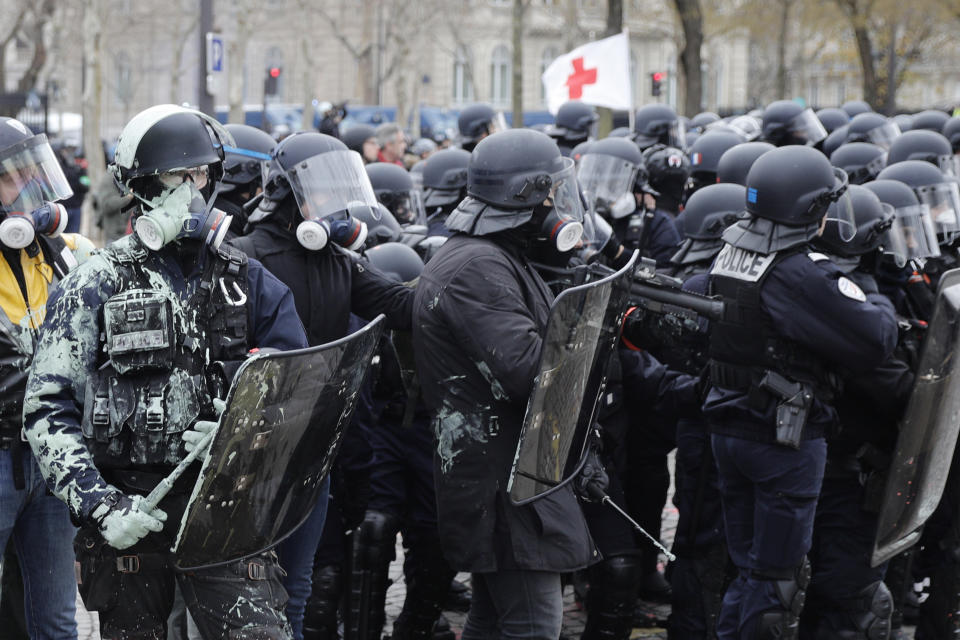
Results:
272 448
582 333
327 187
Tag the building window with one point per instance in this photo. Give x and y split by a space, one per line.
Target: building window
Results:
500 76
124 78
462 76
549 55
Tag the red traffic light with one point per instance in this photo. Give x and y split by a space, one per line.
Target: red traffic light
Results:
274 72
658 76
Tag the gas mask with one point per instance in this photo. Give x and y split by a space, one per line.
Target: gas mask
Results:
560 233
19 229
178 213
343 229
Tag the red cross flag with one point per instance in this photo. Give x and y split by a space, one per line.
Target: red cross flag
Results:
596 73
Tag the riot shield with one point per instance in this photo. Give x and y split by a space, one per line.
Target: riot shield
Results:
277 438
928 430
582 333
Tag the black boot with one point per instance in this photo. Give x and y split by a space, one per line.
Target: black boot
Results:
613 588
320 615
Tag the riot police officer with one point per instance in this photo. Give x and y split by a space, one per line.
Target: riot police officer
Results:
705 155
395 190
873 128
476 122
575 122
362 138
124 381
735 163
832 118
304 232
658 124
34 257
243 173
786 122
792 316
861 161
479 314
444 186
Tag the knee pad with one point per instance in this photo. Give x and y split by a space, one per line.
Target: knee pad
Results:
871 610
376 536
791 591
260 633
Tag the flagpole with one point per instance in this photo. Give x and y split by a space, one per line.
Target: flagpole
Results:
631 112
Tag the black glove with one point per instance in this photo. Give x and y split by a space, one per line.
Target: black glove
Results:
592 481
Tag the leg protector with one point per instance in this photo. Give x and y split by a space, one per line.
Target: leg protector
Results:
782 623
320 617
373 550
428 578
610 602
866 616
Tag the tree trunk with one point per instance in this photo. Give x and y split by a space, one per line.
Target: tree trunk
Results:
782 50
691 19
614 17
890 97
865 52
516 80
93 19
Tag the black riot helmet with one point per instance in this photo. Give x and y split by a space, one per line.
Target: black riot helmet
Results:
356 135
933 188
396 190
832 117
913 218
707 214
873 128
445 178
861 161
243 163
735 163
620 132
668 170
700 121
658 124
835 140
607 174
575 122
925 145
476 122
167 138
931 120
382 226
904 121
705 156
785 122
395 260
787 213
856 107
518 178
291 150
951 131
873 219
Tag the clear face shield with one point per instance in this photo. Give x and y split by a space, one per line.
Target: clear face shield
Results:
944 202
607 184
869 171
331 183
949 165
30 175
563 226
748 127
893 241
840 209
915 225
806 126
596 234
884 135
406 206
498 124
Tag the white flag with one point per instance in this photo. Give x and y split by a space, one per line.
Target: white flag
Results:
596 73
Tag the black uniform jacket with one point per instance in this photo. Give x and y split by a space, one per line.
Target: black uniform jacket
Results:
479 316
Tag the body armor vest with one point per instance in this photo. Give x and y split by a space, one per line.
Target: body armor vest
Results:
744 344
158 354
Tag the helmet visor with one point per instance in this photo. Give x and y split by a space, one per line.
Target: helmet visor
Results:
949 164
944 202
30 175
884 135
916 226
498 124
840 211
406 206
565 193
604 178
869 171
806 126
331 182
893 241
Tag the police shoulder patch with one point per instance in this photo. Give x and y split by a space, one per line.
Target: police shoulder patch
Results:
818 257
850 289
741 264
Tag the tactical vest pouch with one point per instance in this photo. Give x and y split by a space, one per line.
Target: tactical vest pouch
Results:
139 331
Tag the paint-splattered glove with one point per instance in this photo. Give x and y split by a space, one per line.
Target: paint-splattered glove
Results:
123 522
201 428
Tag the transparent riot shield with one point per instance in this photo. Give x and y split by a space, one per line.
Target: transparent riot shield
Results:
928 430
285 417
582 333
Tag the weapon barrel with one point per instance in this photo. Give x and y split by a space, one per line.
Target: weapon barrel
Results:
708 307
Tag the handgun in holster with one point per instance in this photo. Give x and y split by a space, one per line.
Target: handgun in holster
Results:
793 408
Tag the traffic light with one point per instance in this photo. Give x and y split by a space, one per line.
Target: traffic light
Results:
656 82
270 82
